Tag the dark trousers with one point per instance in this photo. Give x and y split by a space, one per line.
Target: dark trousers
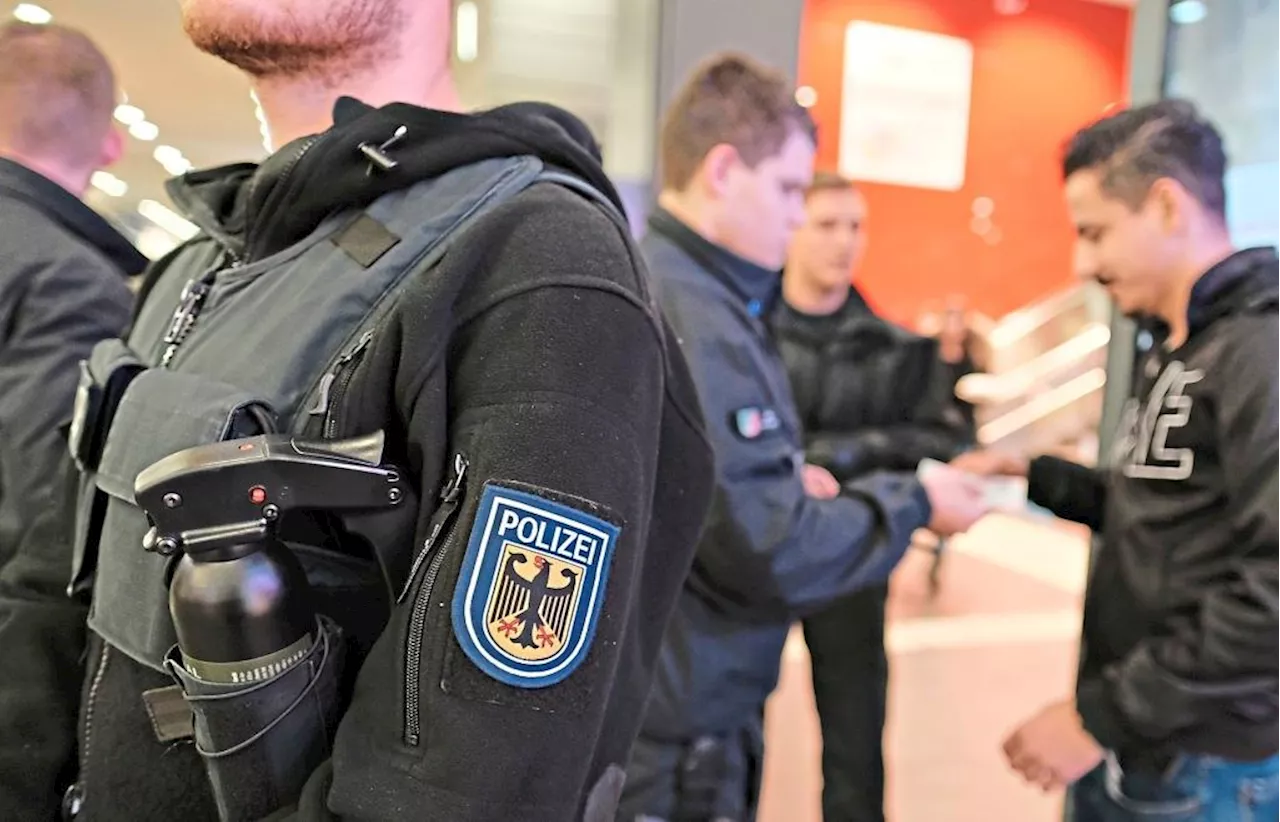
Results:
714 778
850 679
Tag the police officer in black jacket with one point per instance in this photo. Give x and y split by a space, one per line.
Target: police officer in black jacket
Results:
62 267
520 373
1174 714
871 396
785 539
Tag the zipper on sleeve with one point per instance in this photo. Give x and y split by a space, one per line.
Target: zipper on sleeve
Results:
434 550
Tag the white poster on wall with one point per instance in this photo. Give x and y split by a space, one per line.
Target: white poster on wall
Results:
904 114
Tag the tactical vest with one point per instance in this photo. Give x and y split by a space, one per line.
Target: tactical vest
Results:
274 343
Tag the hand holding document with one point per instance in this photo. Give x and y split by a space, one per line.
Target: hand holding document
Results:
958 499
1001 478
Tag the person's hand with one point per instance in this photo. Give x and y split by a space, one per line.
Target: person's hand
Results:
989 462
1052 749
818 482
957 499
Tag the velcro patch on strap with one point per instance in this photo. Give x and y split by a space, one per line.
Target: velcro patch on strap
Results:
532 585
365 240
170 714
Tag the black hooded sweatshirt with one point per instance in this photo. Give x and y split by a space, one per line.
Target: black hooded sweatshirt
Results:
1180 615
533 347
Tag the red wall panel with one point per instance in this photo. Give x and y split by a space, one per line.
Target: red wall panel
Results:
1037 76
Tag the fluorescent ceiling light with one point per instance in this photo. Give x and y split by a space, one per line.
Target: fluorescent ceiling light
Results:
166 154
1186 12
31 13
466 31
109 184
178 167
145 130
167 219
172 160
129 115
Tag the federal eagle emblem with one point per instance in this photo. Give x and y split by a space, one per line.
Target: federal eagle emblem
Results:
533 598
532 586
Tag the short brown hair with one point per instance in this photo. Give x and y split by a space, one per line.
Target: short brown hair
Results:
729 99
57 92
828 181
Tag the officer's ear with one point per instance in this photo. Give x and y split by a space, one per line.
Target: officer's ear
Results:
112 148
718 168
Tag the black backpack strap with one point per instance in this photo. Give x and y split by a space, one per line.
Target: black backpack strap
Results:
581 186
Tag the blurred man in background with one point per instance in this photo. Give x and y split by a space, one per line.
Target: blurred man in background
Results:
871 396
784 539
62 267
1174 714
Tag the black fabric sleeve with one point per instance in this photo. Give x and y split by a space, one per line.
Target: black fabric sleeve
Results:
555 389
1069 490
1189 670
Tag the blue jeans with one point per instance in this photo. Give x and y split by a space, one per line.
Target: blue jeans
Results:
1193 789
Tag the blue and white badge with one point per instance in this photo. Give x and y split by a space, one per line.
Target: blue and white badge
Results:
532 587
754 422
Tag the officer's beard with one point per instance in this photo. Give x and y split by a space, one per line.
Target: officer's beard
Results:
283 39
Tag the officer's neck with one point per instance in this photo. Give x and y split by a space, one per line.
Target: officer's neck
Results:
299 106
809 296
74 180
1208 250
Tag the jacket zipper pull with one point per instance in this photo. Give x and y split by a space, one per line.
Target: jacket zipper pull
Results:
361 344
190 303
184 317
449 496
322 402
326 382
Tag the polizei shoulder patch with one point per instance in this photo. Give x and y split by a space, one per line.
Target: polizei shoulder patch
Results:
531 587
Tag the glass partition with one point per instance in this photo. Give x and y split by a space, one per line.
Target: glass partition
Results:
1224 56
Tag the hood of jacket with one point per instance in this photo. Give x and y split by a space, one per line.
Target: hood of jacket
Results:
1245 281
257 210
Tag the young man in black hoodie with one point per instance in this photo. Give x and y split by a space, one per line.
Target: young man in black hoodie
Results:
62 267
872 397
1175 710
521 369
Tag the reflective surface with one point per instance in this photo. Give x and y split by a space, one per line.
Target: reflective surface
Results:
1225 59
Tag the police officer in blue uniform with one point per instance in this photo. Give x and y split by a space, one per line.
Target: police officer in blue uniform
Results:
784 538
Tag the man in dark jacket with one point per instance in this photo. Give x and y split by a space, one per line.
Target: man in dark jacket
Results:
871 396
62 267
520 364
737 157
1175 710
